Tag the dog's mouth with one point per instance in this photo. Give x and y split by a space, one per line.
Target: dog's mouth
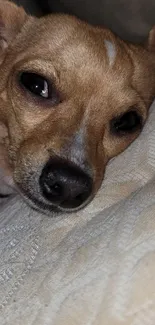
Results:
49 209
39 205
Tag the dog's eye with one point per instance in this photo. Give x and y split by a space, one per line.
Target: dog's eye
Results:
37 85
127 123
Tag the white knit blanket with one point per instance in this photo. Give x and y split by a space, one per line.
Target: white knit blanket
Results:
95 267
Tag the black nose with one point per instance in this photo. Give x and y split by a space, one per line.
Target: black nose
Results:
65 184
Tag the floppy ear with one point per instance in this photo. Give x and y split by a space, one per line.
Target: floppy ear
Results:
150 43
12 18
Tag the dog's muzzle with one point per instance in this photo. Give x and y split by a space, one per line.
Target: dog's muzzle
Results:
64 184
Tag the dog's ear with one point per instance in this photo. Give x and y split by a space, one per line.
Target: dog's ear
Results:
12 18
150 43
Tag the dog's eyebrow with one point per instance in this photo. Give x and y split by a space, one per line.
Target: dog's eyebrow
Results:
111 51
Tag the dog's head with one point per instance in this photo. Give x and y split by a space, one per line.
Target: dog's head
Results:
72 96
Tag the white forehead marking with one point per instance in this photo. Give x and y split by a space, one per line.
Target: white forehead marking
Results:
111 51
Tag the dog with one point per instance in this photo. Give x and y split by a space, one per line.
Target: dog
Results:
72 96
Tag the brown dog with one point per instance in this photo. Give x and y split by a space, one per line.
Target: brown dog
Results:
72 97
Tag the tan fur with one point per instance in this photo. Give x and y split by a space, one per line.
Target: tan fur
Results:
73 55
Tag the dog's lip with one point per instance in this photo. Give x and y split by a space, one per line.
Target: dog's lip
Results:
49 208
38 205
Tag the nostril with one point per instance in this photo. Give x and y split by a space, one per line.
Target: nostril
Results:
74 202
57 189
53 188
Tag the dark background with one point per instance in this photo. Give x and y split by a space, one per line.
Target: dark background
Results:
130 19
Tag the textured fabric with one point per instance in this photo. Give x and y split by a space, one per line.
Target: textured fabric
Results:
95 267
